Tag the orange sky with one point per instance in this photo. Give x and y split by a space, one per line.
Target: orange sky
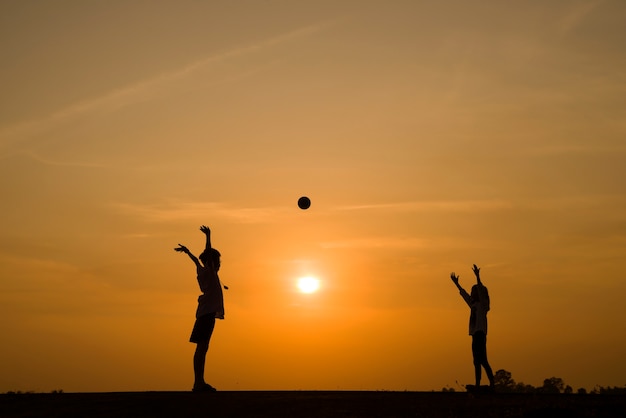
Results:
428 135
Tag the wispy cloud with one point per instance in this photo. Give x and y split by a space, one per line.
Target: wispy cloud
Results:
576 15
183 210
144 89
556 203
177 211
430 242
567 203
174 211
594 148
440 205
377 242
53 162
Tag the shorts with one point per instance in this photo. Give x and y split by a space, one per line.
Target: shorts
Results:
203 329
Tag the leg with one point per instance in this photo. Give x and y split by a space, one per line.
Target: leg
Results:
201 336
488 367
479 352
477 374
199 359
489 374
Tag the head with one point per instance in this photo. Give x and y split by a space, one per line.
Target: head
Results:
211 256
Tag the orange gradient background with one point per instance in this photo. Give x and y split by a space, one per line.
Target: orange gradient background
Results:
428 135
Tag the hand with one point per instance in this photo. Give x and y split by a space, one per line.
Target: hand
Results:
476 271
205 229
454 278
181 249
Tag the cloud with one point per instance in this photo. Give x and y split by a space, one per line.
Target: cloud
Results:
546 204
441 205
576 16
377 242
579 202
58 163
177 211
143 90
576 149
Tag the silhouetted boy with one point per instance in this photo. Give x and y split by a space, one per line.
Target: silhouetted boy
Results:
478 302
210 306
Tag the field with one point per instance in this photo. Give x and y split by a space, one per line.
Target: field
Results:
303 404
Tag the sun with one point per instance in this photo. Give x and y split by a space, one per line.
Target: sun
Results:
308 284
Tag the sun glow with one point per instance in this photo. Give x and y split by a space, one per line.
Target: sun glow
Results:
308 284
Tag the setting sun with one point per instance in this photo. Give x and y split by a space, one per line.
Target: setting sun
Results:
308 284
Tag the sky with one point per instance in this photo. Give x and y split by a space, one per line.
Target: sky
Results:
429 136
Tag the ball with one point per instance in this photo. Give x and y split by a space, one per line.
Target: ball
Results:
304 203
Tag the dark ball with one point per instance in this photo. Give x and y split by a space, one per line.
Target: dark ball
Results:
304 202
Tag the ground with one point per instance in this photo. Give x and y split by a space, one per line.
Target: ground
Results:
304 404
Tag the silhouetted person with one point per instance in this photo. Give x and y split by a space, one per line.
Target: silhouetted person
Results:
210 306
478 302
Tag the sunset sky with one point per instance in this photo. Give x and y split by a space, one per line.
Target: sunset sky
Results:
429 135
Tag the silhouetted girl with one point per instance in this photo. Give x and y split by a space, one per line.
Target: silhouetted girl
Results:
478 301
210 306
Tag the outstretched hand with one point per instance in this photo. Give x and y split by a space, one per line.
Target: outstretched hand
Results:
205 229
476 270
181 249
454 278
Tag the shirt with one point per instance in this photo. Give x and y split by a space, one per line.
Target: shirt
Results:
478 315
212 299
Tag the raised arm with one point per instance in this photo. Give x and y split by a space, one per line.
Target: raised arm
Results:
455 280
207 232
182 249
464 294
476 271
